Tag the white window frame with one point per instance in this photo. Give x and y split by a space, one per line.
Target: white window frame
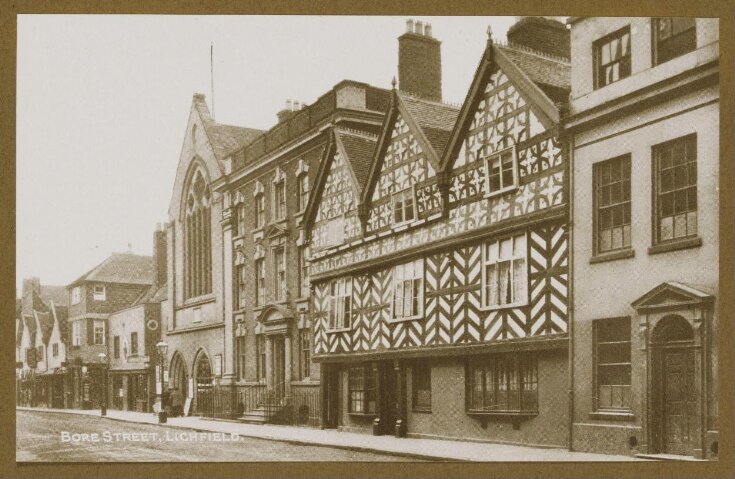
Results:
76 295
76 333
340 290
99 295
489 259
95 324
488 163
406 274
408 192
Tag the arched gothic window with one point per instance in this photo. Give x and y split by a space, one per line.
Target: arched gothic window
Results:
198 238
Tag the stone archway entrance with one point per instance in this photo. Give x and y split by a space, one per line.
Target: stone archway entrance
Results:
676 402
179 377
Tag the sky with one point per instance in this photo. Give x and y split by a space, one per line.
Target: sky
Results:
103 102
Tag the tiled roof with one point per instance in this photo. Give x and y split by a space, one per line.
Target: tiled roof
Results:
57 294
544 70
227 138
46 322
436 120
62 315
30 322
360 149
154 294
124 268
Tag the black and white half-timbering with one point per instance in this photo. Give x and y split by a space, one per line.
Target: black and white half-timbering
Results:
535 267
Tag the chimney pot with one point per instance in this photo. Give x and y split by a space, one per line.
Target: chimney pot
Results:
419 64
409 26
419 28
427 30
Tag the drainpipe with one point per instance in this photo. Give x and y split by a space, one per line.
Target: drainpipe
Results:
569 144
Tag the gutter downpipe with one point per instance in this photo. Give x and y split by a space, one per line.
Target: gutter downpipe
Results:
569 143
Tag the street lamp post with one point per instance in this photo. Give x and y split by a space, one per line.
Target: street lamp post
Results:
162 349
103 406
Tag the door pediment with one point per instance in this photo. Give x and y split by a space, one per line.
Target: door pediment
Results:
671 295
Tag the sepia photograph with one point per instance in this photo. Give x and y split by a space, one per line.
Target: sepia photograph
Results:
325 238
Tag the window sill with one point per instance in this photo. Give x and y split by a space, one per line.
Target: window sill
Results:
612 256
503 306
340 330
501 192
510 414
612 415
209 298
675 245
407 318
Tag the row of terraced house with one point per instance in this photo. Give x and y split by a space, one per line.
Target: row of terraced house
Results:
538 265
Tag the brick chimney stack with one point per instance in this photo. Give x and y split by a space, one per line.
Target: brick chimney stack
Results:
419 62
160 265
30 286
542 34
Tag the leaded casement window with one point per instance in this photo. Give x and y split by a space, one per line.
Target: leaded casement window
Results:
612 57
259 210
55 349
503 383
134 344
259 282
116 347
673 37
260 357
99 293
242 294
304 271
305 353
408 290
404 206
612 363
612 204
279 200
502 172
421 387
76 295
340 304
675 187
76 333
240 219
505 272
241 357
198 239
99 331
279 268
303 191
361 386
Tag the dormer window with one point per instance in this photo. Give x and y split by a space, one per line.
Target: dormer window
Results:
673 37
99 293
404 206
502 172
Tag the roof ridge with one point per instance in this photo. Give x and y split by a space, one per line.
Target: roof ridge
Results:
355 132
438 103
538 53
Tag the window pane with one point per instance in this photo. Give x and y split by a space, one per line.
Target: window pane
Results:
519 281
519 246
491 279
506 246
692 223
666 230
492 252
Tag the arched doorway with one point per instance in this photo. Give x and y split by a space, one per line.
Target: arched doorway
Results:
179 377
676 402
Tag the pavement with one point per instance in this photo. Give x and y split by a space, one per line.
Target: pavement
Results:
427 449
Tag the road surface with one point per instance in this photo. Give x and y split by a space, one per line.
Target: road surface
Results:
59 437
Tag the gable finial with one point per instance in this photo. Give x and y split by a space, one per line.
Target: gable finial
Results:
394 82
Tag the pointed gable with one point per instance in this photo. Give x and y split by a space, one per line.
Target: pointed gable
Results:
671 294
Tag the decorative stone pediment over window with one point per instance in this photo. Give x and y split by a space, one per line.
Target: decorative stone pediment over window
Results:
259 252
275 230
238 198
302 168
279 176
274 319
259 188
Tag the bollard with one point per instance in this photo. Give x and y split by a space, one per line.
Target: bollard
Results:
376 427
400 429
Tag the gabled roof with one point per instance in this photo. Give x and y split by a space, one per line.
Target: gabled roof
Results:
46 323
542 79
431 124
358 148
30 322
123 268
154 294
62 315
57 294
224 138
325 163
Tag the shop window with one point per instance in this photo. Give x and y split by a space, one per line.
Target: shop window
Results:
404 206
612 204
505 276
502 173
421 387
361 386
673 37
612 57
340 304
612 361
408 290
503 383
675 186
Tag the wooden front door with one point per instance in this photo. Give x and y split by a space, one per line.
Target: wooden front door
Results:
678 401
391 391
330 376
279 366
